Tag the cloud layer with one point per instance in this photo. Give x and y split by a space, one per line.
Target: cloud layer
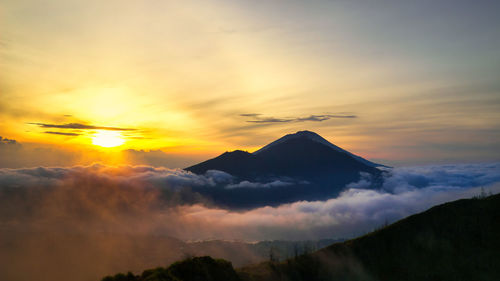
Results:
357 210
155 198
96 220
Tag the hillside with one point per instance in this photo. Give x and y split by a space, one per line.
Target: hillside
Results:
452 241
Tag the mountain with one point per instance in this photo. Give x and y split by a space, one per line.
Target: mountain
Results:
300 166
453 241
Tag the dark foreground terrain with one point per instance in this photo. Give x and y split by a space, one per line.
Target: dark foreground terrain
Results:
454 241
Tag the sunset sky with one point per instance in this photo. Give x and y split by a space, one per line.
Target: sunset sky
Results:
396 82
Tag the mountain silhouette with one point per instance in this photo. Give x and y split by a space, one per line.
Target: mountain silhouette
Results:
300 166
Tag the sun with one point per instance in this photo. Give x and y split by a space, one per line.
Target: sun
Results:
108 139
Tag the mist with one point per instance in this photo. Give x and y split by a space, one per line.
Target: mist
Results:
84 222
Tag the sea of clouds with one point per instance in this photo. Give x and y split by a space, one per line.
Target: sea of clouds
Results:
144 199
84 222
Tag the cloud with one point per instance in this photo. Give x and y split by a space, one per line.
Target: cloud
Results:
269 120
6 141
256 118
319 118
219 176
441 176
61 133
80 126
121 193
357 210
247 184
250 114
147 176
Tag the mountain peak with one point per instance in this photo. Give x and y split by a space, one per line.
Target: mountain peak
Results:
316 138
305 133
236 152
300 134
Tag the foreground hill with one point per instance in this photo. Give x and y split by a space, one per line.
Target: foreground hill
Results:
453 241
300 166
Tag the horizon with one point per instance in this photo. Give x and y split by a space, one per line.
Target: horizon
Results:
19 155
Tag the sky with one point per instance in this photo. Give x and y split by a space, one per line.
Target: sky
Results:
171 83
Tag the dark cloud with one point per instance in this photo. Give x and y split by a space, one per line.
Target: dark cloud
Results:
256 118
61 133
250 114
270 120
324 117
80 126
6 141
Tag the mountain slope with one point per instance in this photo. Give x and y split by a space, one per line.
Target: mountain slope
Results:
311 167
453 241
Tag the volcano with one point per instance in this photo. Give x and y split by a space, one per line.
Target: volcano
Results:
299 166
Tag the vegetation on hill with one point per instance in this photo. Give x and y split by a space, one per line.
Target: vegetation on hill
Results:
190 269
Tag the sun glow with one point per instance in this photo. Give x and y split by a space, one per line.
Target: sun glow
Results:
108 139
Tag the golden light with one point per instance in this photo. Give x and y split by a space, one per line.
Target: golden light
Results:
108 139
